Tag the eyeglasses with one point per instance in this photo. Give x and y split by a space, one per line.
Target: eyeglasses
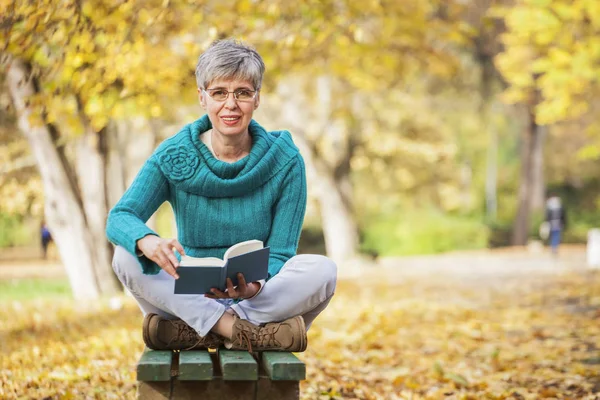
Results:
238 94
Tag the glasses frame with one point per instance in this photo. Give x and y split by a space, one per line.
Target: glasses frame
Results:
254 92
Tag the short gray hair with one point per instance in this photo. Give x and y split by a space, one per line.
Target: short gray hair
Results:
229 59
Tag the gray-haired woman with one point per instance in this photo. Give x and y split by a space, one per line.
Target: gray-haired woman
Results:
228 180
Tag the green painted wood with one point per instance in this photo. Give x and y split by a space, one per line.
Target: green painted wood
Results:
154 366
282 366
238 366
195 366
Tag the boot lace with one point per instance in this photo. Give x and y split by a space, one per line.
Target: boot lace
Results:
263 337
185 334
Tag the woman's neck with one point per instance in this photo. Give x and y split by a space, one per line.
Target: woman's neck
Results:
230 148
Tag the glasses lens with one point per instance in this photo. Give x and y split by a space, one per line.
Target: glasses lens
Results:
218 94
244 95
240 94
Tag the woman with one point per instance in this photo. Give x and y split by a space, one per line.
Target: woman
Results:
228 180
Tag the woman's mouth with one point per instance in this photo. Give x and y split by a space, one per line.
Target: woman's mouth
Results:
230 120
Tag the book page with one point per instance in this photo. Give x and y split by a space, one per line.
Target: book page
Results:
187 261
242 248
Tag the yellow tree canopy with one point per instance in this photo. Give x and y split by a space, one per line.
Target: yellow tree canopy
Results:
552 56
110 59
98 60
102 59
371 44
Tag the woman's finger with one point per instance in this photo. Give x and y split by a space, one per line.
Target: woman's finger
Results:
165 264
219 294
175 243
242 287
171 256
231 292
241 282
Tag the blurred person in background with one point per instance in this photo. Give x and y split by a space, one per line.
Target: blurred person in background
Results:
46 238
556 220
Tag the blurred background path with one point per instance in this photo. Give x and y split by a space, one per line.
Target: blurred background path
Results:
470 266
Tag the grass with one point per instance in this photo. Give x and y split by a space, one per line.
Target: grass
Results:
16 230
29 288
422 233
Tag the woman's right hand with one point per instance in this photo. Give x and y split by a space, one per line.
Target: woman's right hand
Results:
161 252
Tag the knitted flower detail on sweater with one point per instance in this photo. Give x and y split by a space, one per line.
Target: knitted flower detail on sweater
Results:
179 163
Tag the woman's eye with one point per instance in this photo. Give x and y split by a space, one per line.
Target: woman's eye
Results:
244 94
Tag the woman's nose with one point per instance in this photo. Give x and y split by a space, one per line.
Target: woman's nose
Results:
230 102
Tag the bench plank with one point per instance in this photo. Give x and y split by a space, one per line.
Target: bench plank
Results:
238 366
281 366
154 366
195 366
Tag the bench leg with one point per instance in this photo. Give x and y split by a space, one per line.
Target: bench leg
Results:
217 389
154 391
280 390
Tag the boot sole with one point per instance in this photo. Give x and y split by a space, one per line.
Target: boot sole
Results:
304 340
151 322
146 331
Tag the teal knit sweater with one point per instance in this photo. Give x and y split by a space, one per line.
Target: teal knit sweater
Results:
217 204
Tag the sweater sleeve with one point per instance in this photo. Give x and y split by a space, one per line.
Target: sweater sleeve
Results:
126 222
288 216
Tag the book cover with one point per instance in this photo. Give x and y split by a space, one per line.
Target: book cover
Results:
199 275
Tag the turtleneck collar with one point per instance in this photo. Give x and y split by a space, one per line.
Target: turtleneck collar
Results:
190 165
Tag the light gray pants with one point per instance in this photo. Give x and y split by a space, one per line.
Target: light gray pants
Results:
304 286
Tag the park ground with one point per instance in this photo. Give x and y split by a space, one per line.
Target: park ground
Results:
505 324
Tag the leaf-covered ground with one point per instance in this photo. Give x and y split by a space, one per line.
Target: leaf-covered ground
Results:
426 336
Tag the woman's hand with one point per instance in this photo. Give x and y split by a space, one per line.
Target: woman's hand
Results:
242 291
161 252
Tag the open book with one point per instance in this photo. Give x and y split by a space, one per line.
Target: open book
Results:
199 275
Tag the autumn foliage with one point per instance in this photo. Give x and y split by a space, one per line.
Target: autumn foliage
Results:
524 336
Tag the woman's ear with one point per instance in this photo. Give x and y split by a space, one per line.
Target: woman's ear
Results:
257 100
201 98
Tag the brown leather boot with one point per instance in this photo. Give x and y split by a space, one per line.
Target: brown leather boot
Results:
289 335
174 334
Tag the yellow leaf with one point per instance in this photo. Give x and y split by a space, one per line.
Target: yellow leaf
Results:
458 379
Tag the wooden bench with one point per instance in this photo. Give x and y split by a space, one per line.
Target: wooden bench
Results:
219 375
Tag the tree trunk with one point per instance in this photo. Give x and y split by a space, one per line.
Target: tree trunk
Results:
126 154
63 205
531 144
116 158
491 176
486 110
538 194
466 183
91 153
329 177
339 227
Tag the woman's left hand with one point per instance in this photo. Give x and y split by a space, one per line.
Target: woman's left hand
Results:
242 291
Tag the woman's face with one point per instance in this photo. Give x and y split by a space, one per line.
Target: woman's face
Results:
229 116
